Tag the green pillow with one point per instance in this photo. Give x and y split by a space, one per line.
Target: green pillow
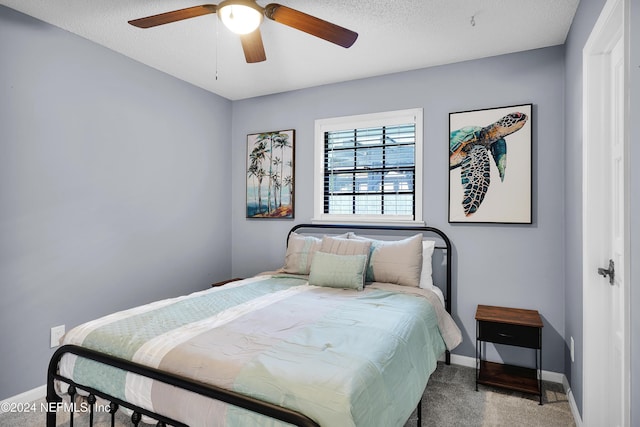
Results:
338 271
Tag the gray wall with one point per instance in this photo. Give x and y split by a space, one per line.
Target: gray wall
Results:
111 177
513 265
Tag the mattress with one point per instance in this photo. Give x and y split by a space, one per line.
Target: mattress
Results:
341 357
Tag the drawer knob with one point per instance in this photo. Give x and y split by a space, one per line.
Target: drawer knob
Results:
505 335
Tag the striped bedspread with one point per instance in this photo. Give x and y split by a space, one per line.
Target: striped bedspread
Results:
342 358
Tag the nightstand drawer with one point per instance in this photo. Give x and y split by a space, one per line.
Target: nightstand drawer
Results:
504 333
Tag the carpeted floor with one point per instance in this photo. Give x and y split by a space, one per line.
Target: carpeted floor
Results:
450 401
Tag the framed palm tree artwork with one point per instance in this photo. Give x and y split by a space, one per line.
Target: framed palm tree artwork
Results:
270 174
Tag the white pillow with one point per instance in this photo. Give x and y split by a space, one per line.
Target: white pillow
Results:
426 280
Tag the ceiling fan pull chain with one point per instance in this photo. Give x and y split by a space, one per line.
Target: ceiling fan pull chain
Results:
217 46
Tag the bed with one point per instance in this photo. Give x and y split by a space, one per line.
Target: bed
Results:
346 332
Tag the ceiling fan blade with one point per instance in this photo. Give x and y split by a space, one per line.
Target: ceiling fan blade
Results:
253 47
310 24
176 15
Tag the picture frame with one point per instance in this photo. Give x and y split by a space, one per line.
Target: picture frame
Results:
483 186
270 172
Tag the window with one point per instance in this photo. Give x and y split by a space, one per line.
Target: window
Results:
368 168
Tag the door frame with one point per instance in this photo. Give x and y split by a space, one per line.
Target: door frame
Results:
611 26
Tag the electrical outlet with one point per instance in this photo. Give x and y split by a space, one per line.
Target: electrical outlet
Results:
56 334
572 350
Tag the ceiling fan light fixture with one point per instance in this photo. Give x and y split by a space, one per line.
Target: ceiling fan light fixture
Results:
241 17
245 16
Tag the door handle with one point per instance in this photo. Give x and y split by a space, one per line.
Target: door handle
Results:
611 272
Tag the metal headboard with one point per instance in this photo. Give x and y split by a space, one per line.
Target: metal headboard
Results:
402 229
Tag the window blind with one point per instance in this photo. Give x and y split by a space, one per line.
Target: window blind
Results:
370 171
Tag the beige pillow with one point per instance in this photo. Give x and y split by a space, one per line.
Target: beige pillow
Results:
300 251
395 261
343 246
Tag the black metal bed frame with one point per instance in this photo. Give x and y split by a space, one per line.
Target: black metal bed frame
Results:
207 390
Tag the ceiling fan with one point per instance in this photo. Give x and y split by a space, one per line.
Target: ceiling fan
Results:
244 17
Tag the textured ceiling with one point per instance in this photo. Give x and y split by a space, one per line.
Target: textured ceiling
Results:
394 36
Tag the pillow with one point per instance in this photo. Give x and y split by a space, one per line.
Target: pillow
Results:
300 251
426 281
396 261
345 246
338 271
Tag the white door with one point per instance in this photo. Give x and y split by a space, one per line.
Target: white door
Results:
605 234
616 300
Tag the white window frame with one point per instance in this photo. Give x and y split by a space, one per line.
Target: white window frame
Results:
389 118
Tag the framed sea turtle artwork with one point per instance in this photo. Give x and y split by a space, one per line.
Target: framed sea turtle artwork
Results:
270 174
490 165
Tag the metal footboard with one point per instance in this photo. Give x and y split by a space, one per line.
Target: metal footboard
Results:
217 393
54 401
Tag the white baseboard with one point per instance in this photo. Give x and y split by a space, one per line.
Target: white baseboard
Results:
26 397
572 404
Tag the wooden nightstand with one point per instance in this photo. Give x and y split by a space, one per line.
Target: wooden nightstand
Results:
224 282
510 326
